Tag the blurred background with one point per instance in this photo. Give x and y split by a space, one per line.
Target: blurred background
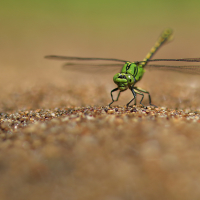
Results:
118 29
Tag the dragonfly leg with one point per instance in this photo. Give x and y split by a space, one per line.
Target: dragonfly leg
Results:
144 91
112 96
134 98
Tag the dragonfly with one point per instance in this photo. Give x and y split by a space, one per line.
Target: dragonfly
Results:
132 72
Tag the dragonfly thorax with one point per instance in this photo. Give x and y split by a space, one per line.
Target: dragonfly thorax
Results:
123 80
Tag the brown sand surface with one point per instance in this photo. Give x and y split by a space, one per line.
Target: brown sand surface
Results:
59 140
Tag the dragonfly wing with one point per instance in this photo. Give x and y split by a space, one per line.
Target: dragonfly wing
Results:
82 58
193 69
180 59
91 67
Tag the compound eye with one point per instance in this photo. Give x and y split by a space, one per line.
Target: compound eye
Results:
130 79
122 76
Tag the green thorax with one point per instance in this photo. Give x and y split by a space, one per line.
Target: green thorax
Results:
129 75
135 69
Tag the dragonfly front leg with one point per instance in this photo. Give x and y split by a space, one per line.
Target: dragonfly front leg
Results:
112 96
141 90
134 98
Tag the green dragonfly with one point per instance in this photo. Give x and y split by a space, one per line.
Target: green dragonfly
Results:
132 72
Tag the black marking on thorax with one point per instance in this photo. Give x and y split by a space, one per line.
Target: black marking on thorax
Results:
128 67
135 71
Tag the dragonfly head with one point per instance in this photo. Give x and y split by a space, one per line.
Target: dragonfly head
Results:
123 80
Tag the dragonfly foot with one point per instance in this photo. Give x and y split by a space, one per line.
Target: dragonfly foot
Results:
110 104
153 105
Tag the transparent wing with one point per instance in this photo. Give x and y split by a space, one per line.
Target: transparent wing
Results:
193 69
82 58
180 59
92 67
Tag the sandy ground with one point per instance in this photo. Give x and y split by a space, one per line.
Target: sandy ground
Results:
59 140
